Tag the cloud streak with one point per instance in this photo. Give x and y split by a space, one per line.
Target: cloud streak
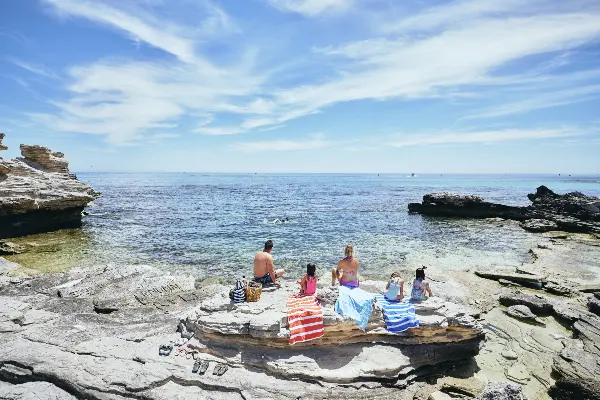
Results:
311 8
493 136
316 142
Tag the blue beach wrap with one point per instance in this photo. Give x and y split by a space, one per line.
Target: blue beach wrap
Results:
355 303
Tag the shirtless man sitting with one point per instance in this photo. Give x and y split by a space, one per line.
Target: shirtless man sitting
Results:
264 271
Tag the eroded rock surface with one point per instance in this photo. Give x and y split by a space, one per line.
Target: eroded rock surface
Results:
571 212
258 334
38 194
95 334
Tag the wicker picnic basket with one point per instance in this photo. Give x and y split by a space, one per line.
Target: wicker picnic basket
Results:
253 291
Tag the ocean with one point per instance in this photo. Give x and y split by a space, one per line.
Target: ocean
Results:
211 225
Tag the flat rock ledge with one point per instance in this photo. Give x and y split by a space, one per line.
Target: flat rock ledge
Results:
94 334
571 212
257 335
38 194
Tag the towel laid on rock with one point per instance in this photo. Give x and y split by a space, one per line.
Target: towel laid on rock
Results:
398 316
355 303
305 318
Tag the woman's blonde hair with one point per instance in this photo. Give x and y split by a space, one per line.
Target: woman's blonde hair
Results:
349 250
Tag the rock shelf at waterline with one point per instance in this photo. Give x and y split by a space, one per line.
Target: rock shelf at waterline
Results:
571 212
38 194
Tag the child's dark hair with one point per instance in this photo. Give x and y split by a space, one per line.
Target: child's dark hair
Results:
420 273
311 269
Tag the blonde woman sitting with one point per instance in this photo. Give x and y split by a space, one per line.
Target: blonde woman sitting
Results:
346 272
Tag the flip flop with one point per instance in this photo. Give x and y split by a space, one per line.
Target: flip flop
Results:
191 354
203 367
196 366
161 349
181 351
220 369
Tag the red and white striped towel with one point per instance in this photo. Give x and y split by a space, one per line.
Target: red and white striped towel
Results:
305 318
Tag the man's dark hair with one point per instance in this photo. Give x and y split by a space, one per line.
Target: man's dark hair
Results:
268 245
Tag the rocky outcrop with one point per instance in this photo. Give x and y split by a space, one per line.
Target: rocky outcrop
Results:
2 147
571 212
523 313
37 193
43 159
95 334
578 365
258 334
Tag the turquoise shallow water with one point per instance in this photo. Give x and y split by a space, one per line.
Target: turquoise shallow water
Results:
211 224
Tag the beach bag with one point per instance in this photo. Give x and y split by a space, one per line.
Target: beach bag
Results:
253 291
238 293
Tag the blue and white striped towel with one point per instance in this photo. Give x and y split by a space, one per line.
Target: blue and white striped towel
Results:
398 316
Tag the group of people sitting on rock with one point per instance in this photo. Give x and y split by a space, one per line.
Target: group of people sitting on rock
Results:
346 274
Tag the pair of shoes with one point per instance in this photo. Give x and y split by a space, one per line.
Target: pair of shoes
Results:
220 369
164 349
200 366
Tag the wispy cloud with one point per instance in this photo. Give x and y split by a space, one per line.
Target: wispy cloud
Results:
442 52
540 101
311 8
34 69
314 142
489 136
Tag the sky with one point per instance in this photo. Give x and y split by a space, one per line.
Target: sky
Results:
467 86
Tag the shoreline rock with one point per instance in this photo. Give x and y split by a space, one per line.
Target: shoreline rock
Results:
38 194
95 334
571 212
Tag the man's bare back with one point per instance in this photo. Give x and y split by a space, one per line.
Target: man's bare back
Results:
264 271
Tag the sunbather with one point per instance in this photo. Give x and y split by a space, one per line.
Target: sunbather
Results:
308 283
346 271
420 286
394 291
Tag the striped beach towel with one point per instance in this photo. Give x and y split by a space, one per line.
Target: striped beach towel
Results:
305 318
398 316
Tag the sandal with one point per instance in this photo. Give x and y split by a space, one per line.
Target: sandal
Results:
168 349
220 369
162 349
191 354
196 366
203 367
181 351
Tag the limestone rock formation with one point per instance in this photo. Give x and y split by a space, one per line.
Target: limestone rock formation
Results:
37 193
571 212
2 147
578 365
57 339
524 314
536 303
257 333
